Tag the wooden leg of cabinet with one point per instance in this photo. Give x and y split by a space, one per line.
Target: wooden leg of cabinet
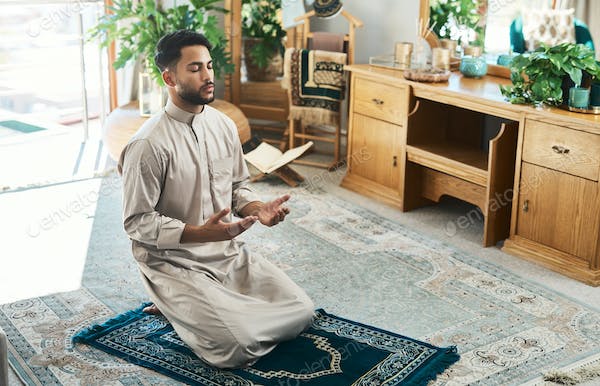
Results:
413 188
501 174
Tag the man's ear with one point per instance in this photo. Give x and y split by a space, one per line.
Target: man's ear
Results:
168 78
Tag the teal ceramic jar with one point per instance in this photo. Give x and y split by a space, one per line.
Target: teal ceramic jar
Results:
505 60
473 66
579 97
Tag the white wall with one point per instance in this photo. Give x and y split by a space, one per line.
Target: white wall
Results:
385 22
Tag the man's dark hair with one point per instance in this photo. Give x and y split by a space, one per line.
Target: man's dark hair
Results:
168 48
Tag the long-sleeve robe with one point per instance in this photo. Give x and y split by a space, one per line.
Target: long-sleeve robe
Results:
230 307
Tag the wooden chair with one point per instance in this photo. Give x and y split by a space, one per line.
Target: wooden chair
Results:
302 37
582 31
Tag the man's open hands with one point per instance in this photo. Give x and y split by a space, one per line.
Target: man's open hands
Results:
216 230
268 213
273 212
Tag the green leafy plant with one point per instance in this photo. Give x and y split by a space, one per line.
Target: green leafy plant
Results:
260 19
137 27
460 20
537 76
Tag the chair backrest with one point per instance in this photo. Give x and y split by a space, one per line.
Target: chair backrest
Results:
304 36
517 40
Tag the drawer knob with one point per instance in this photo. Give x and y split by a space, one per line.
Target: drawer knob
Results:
526 206
560 149
377 101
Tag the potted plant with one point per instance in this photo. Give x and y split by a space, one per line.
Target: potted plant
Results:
138 25
262 35
546 74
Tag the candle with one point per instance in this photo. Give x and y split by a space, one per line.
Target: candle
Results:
450 45
595 95
473 51
402 54
440 58
579 97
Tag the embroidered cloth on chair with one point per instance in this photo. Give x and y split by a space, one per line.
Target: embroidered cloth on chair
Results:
315 80
333 351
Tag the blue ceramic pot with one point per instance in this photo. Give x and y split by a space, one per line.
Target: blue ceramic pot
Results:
473 66
505 60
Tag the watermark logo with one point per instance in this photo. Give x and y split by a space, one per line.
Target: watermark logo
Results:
55 18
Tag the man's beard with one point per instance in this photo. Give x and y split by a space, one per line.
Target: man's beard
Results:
194 97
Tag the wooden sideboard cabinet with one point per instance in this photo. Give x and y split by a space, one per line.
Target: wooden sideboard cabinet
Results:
410 149
556 220
411 143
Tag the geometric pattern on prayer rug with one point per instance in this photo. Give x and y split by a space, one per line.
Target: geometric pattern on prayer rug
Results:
333 351
351 261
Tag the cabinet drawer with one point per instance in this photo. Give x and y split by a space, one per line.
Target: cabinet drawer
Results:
380 101
559 148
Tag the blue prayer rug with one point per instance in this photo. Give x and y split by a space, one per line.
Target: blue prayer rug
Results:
333 351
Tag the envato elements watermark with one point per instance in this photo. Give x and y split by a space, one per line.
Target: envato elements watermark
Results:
74 206
501 200
324 363
495 5
55 18
362 155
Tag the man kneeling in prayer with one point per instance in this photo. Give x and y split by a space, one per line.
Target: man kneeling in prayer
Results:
183 176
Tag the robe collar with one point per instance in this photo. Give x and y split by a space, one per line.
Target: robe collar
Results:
180 114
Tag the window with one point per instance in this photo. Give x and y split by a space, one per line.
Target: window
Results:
45 72
500 15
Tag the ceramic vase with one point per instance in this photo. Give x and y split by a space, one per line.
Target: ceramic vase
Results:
473 66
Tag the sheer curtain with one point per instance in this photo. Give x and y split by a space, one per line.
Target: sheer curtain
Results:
589 12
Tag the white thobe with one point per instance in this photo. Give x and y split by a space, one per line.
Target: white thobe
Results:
230 307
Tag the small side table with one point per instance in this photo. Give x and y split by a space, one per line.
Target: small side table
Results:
119 126
124 121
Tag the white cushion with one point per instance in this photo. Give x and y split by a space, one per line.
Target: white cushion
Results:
548 26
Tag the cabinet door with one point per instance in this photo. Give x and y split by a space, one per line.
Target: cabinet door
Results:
375 150
559 210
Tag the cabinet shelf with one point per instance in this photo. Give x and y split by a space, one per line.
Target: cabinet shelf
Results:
453 158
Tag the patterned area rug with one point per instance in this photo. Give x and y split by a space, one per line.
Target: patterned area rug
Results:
351 262
333 351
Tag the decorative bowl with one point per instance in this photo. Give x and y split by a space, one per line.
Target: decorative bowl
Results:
473 66
427 75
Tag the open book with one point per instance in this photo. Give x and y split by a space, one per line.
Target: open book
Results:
267 158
